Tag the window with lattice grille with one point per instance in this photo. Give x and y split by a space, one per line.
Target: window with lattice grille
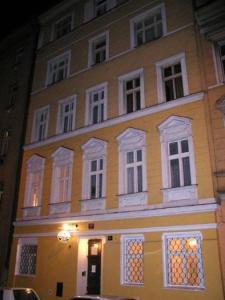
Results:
183 260
26 257
132 267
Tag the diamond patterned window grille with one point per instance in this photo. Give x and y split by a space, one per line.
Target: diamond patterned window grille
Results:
184 261
28 259
133 261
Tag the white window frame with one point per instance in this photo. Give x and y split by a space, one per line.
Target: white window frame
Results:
91 49
93 149
178 58
62 157
136 19
122 91
131 140
56 60
62 115
89 102
36 124
35 165
123 253
53 35
21 242
171 130
192 235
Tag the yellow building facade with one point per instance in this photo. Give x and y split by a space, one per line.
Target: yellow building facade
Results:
117 192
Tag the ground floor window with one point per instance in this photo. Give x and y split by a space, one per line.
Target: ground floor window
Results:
132 267
26 257
183 260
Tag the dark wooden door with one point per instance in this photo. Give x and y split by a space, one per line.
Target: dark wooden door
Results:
94 267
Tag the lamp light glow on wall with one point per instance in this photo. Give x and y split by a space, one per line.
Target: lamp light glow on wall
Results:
64 235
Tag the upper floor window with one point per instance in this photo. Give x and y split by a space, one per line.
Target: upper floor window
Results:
62 26
66 115
61 180
58 68
148 26
40 124
131 92
220 60
34 184
96 8
132 167
94 166
172 78
132 260
177 157
4 142
183 260
98 49
96 104
26 257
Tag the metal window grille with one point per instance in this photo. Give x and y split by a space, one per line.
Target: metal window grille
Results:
134 261
28 259
184 261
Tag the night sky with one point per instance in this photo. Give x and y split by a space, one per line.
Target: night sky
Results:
18 13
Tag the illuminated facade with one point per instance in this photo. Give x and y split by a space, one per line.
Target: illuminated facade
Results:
119 149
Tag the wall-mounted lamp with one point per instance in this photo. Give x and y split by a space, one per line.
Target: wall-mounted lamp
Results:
65 234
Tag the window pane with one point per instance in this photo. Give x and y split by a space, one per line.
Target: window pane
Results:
130 103
140 39
93 186
169 90
175 173
179 87
130 157
137 82
139 155
149 34
184 146
222 50
186 170
95 114
140 179
138 100
177 68
129 85
130 180
100 186
167 71
173 148
94 165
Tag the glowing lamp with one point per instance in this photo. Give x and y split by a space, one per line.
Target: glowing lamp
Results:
64 236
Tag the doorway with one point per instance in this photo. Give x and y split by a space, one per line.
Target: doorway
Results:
94 267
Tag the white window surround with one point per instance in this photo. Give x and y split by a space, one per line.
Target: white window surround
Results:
62 157
129 140
53 33
122 80
166 63
173 129
220 73
88 93
142 16
93 149
60 116
35 135
191 234
21 242
123 254
64 56
91 43
35 166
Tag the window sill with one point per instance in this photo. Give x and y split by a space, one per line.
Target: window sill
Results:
92 204
180 193
31 211
134 199
59 207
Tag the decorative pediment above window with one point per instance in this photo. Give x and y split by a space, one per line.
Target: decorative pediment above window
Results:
175 126
131 138
63 155
35 163
94 148
220 104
